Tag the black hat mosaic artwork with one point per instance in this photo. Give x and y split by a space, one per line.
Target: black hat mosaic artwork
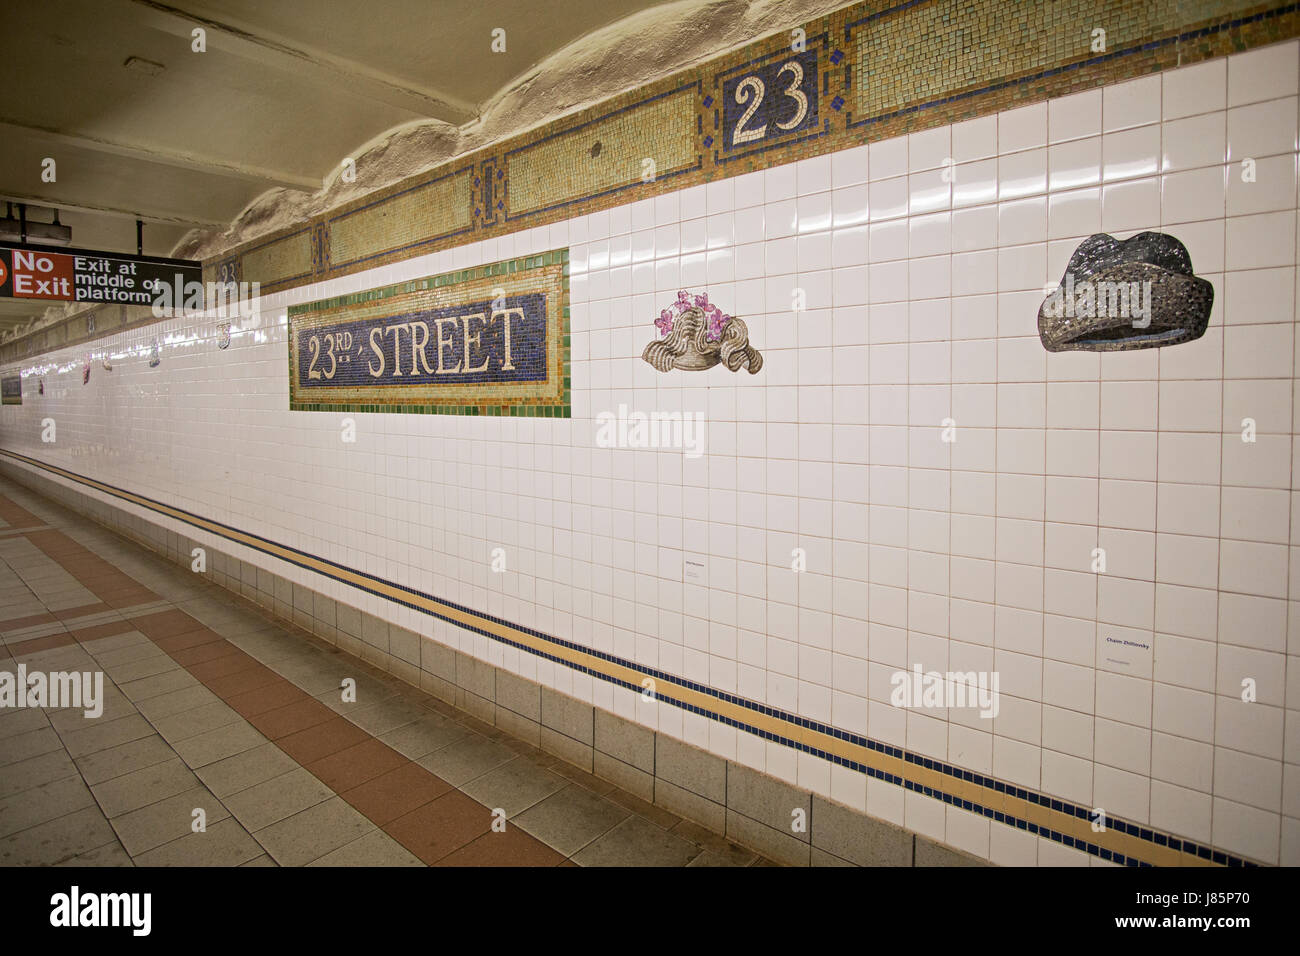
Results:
1123 295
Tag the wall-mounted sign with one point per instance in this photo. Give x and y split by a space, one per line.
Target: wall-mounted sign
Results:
82 275
490 340
11 388
770 101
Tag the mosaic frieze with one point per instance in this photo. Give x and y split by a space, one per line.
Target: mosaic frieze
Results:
863 73
630 145
411 219
282 261
969 48
491 340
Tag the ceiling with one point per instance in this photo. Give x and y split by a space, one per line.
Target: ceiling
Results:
141 126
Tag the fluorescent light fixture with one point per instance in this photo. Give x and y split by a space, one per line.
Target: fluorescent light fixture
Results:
12 229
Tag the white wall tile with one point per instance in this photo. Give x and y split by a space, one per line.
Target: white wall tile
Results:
921 282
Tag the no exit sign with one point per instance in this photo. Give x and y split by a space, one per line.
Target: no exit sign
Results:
81 275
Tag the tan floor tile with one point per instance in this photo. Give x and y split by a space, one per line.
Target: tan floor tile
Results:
309 835
273 800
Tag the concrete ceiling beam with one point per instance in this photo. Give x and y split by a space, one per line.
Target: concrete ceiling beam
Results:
312 65
149 216
153 154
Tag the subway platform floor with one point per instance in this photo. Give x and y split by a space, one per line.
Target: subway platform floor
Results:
214 713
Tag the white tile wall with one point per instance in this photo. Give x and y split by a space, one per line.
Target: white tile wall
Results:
923 261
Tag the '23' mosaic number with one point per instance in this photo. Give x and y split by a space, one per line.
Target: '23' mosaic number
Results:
771 100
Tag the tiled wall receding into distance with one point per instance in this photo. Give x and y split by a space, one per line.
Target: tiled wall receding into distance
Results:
1120 690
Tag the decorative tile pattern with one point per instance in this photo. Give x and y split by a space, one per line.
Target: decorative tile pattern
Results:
408 220
280 262
864 74
488 341
604 156
697 335
769 102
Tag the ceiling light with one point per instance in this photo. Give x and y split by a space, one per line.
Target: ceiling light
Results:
21 229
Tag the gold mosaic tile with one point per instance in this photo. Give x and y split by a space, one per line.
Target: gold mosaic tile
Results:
276 263
948 49
408 220
866 72
605 155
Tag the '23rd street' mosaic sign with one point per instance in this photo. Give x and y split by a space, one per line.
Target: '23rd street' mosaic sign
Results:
493 340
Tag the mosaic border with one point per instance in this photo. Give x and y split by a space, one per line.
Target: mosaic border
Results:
504 168
549 399
1168 45
327 226
308 230
832 35
1062 821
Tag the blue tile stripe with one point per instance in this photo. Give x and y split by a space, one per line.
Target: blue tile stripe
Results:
276 550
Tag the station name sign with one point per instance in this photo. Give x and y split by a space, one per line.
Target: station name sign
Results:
82 275
488 340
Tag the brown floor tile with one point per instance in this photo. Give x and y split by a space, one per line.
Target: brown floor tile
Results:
355 765
202 653
308 746
223 666
442 827
178 642
125 597
513 847
95 632
41 643
242 681
269 697
166 623
291 718
18 623
99 573
396 793
50 541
